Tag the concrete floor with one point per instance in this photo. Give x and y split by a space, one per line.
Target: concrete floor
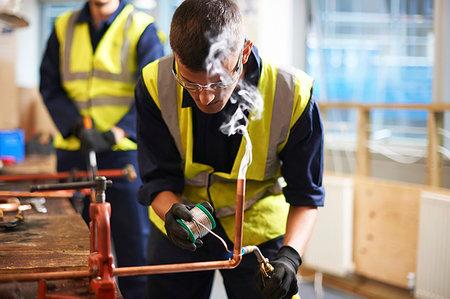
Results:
306 291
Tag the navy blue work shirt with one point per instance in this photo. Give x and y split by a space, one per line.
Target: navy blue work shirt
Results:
61 107
160 162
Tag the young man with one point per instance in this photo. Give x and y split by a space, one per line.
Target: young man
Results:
90 68
182 102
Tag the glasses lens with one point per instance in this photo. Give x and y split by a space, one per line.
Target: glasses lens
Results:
192 87
226 81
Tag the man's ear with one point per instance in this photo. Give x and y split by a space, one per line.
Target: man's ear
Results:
247 50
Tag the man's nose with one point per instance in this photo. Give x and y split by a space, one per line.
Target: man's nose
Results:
206 96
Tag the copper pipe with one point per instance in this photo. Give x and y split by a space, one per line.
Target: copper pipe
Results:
171 268
199 266
46 194
12 207
128 171
239 219
9 206
45 275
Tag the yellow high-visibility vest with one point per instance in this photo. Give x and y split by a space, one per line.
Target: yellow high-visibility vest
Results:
101 84
286 95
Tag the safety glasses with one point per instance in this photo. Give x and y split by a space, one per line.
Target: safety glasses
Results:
195 87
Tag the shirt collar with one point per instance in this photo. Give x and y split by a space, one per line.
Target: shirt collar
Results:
252 75
85 14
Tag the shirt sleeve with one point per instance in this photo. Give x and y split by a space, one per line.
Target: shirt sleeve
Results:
61 108
158 157
148 49
302 160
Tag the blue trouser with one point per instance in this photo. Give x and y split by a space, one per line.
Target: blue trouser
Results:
239 282
129 219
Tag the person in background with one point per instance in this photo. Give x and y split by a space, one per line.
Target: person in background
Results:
185 159
89 70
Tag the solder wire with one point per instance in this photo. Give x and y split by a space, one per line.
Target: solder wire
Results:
217 236
200 217
202 223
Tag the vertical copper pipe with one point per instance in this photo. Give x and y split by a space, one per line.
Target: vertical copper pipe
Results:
92 233
42 289
239 218
103 237
104 230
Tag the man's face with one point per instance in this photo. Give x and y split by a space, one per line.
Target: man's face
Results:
209 99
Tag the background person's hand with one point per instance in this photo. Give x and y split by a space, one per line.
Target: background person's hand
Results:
93 140
283 282
176 233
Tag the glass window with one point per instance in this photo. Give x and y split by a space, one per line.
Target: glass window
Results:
373 52
163 14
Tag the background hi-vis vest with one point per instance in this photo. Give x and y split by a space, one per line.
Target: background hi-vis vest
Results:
285 94
101 84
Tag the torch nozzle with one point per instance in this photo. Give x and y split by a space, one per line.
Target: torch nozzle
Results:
266 267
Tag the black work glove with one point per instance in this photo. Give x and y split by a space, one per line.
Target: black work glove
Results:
93 140
283 281
78 127
176 233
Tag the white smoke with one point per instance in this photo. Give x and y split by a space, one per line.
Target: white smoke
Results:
247 98
218 52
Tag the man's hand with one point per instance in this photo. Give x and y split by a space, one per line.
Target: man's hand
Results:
283 282
93 140
176 233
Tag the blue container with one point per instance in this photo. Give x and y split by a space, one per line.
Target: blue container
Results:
12 145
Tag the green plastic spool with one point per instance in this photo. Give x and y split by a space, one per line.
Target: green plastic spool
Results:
191 234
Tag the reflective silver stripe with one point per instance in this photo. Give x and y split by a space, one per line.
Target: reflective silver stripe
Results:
167 96
124 76
125 48
113 101
281 112
201 180
66 74
231 210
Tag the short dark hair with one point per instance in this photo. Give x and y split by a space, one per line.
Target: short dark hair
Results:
197 24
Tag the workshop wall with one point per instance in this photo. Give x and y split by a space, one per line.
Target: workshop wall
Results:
33 115
22 106
9 111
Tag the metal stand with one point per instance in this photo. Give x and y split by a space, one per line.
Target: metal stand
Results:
100 258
